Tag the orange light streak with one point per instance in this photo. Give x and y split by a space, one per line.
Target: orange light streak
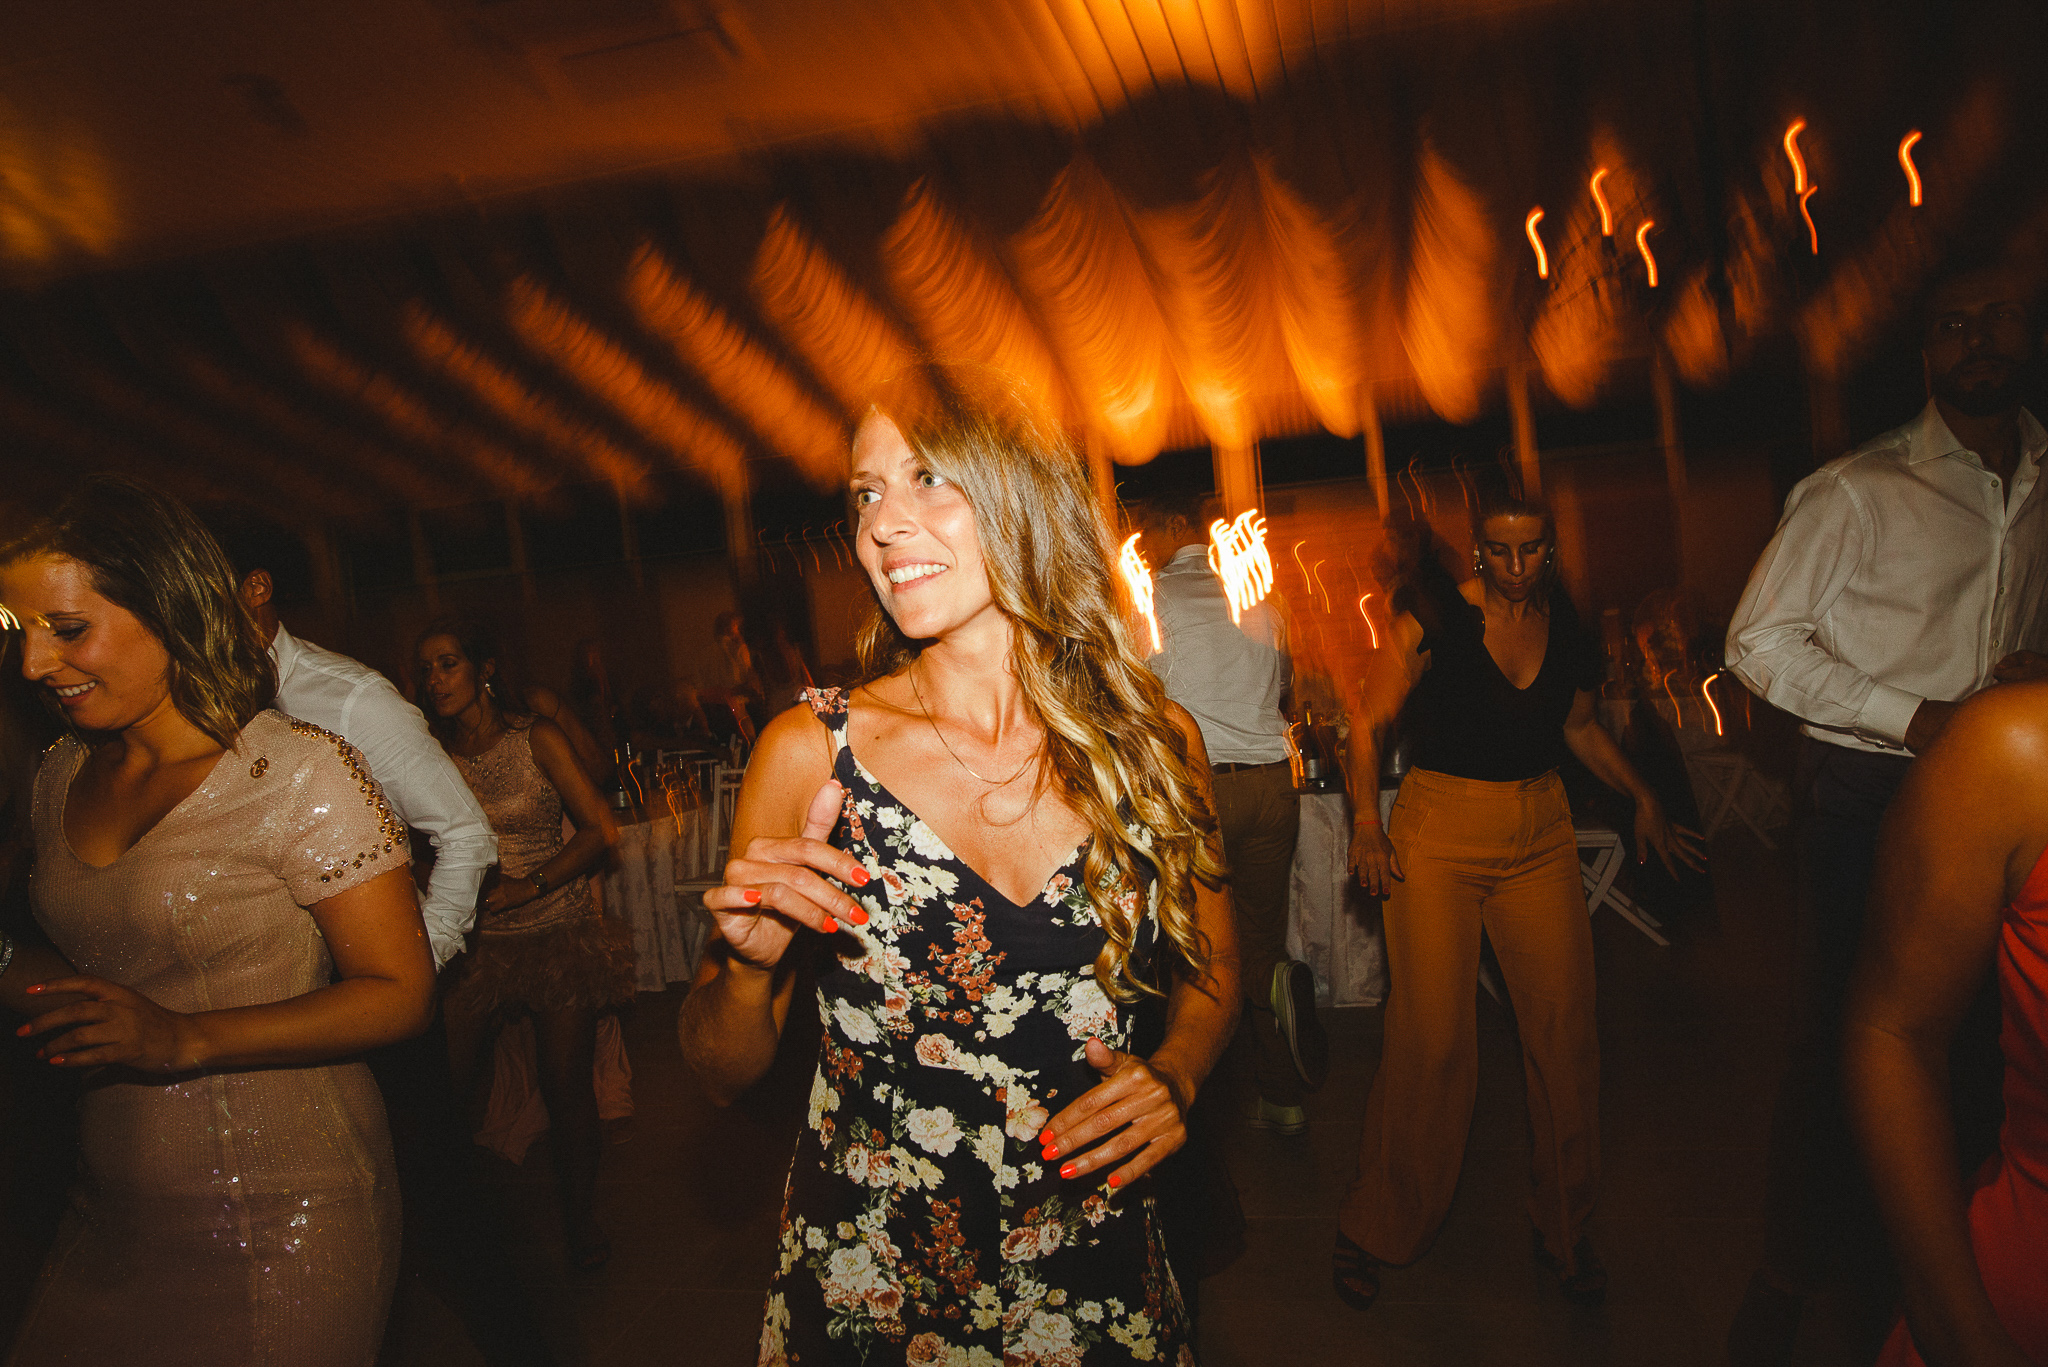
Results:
1812 233
1705 693
1677 712
1643 246
8 621
1297 560
1368 622
1237 553
1606 214
1138 575
1542 257
1792 133
1315 573
1912 172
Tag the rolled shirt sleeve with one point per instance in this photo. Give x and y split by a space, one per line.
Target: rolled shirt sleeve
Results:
427 791
1779 643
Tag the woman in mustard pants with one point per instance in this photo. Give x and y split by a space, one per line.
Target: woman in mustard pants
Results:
1498 682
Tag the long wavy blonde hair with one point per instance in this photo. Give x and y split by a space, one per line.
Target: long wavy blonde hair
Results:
1113 751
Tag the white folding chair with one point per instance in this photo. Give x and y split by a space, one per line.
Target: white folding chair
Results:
1610 852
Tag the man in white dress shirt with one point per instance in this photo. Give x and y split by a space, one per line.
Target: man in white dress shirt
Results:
1904 577
448 1218
1230 677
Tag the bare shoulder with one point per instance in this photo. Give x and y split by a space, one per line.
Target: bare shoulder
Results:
2000 732
795 743
544 701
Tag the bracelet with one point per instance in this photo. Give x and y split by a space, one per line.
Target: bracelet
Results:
1365 819
539 881
6 950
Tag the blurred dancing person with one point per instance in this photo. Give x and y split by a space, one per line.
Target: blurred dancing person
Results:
1499 683
1962 882
1904 577
228 890
1230 675
447 1214
1024 822
542 948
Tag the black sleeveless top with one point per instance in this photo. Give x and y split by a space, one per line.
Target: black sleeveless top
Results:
1464 718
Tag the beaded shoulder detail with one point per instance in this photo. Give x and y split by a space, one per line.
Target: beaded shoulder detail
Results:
390 830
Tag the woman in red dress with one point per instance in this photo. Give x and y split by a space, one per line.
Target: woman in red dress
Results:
1962 883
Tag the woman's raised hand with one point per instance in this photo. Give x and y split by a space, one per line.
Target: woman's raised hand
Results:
777 886
1135 1105
114 1025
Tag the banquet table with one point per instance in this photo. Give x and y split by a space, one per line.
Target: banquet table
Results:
1332 926
657 849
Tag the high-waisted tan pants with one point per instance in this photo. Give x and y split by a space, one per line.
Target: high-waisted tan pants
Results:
1499 857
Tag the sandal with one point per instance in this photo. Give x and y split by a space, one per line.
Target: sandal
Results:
1585 1281
1354 1274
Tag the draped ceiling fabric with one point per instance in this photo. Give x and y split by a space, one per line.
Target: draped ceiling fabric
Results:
668 245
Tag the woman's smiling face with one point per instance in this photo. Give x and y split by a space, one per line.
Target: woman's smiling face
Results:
916 537
101 665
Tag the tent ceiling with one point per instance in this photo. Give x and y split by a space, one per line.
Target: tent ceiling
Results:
354 257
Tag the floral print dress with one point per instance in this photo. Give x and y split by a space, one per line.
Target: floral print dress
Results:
920 1224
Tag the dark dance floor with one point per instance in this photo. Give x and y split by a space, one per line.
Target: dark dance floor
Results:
1691 1040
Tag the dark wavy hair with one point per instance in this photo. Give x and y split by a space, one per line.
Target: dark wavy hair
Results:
477 639
148 554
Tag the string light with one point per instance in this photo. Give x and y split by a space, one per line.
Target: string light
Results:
1912 172
1138 575
1705 687
1542 257
1643 246
1237 553
1792 133
1606 214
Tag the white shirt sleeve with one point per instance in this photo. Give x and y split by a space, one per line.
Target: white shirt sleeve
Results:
1824 536
426 790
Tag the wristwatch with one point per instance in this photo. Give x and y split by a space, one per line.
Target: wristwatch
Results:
540 883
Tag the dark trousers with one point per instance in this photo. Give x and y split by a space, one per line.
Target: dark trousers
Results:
454 1230
1259 815
1820 1219
1821 1223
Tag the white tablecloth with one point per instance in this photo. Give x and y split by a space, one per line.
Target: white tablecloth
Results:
1332 926
668 927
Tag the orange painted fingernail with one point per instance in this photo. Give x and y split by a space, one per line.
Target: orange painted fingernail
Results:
1115 1180
1052 1151
1045 1136
858 917
1066 1170
57 1060
751 895
33 988
831 926
860 877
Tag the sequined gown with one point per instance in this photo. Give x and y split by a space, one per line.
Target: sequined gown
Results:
246 1215
921 1224
556 952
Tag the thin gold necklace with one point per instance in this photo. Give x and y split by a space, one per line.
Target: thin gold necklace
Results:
1032 759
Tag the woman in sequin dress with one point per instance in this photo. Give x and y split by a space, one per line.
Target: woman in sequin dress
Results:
230 898
1021 862
541 948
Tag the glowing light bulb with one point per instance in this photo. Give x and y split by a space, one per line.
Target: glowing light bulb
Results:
1912 172
1138 576
1643 246
1237 553
1368 622
1542 257
1792 133
1606 214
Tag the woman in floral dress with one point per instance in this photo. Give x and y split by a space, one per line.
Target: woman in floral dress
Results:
1000 851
